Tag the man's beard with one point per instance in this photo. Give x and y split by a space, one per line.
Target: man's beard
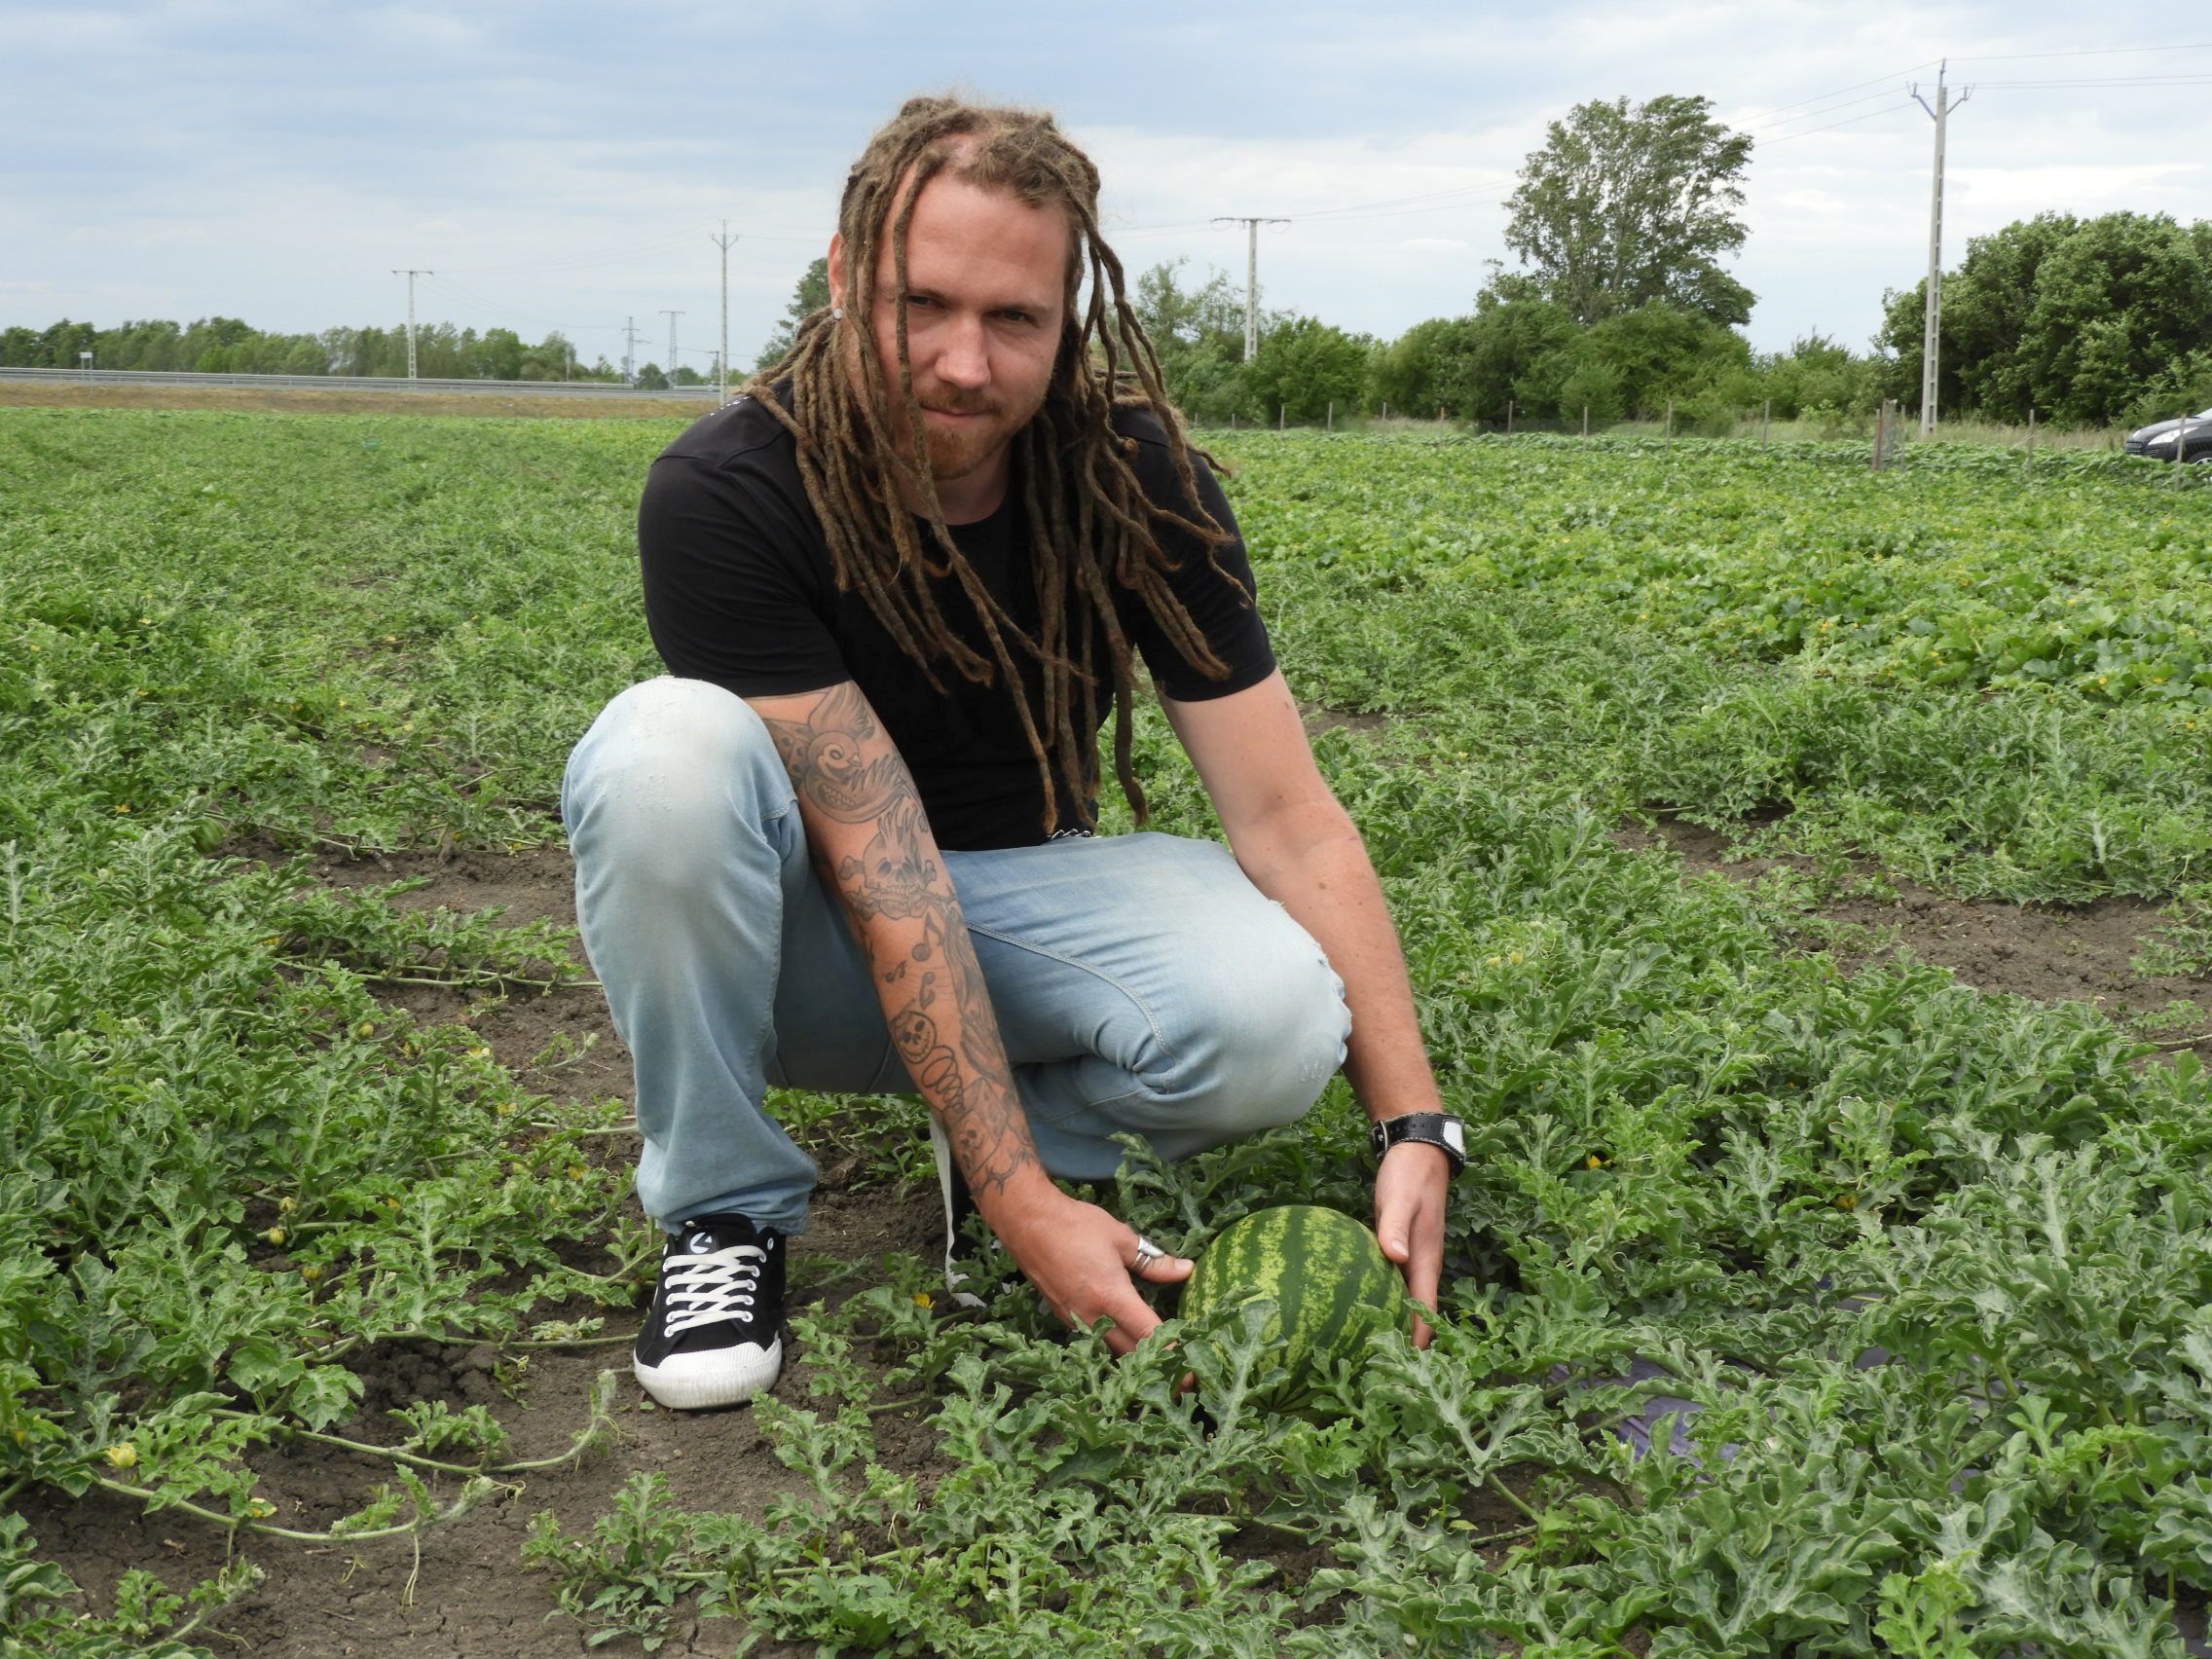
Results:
955 452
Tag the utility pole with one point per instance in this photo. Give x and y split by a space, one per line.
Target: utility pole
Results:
1251 275
630 350
672 316
721 363
411 275
1939 110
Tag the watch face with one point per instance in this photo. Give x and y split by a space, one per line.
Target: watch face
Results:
1454 1137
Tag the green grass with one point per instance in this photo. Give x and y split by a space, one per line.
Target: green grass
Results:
225 1167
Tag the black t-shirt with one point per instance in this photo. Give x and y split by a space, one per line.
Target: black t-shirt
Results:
739 593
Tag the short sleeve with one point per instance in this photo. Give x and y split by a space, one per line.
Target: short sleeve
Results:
732 595
1223 608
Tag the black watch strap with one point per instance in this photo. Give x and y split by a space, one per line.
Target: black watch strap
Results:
1423 1128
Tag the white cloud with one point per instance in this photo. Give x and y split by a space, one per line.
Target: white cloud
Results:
566 161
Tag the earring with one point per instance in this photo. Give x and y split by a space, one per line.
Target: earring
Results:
837 313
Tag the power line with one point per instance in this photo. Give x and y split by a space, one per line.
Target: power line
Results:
411 275
495 308
672 316
721 359
1848 120
2084 51
1251 277
2197 80
1937 111
1758 127
1823 97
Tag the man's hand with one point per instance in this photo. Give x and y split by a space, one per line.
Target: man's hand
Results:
1410 1191
1081 1262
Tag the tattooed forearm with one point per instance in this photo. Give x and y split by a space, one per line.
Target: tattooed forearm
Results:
904 913
838 760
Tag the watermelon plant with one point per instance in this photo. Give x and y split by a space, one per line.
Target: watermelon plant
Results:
1788 1309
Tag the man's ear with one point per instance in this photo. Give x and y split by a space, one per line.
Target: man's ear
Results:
836 268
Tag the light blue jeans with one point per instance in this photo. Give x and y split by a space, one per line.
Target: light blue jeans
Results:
1141 982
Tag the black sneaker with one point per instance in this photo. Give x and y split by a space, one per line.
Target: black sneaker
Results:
710 1336
959 1209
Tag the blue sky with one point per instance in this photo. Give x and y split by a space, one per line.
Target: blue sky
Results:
563 165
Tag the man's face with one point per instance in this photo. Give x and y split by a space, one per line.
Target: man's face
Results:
985 274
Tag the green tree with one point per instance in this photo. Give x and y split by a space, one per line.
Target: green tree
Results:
1511 351
1626 203
2086 322
809 297
1199 333
1818 373
1410 373
1305 365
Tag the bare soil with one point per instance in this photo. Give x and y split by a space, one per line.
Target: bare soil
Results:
2049 954
289 400
465 1596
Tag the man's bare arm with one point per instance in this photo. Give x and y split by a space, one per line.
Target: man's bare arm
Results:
1300 847
871 841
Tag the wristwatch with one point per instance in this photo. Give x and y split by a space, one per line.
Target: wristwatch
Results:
1423 1128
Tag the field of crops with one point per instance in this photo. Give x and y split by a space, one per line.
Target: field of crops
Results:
1804 1297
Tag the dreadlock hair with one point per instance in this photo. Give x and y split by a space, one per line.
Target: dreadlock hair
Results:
1090 521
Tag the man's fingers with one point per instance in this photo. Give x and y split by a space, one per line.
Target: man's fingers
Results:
1162 1270
1132 1322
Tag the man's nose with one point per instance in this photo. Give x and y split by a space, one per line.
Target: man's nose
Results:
964 357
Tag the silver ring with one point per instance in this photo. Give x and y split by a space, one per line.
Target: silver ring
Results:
1146 1253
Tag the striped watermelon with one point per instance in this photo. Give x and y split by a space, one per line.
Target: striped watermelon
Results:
1333 1287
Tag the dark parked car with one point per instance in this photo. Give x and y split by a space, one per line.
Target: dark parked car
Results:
2157 440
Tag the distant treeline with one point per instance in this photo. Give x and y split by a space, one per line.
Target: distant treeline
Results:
224 345
2088 322
2084 321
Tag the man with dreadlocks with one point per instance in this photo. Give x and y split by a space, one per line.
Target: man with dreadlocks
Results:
847 845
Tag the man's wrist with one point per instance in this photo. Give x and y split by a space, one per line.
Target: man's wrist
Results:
1026 1198
1437 1129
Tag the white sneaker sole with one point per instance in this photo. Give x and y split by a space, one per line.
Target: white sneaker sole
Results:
718 1377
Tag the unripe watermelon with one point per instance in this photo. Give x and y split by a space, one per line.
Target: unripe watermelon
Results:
1332 1286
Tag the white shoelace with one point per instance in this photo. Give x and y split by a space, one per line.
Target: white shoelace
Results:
706 1287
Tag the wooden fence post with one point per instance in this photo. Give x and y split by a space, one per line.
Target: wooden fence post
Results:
1766 413
1669 423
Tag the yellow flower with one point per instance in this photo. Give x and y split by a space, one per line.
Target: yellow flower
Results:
121 1456
311 1274
1593 1162
1847 1200
922 1299
275 1235
122 809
